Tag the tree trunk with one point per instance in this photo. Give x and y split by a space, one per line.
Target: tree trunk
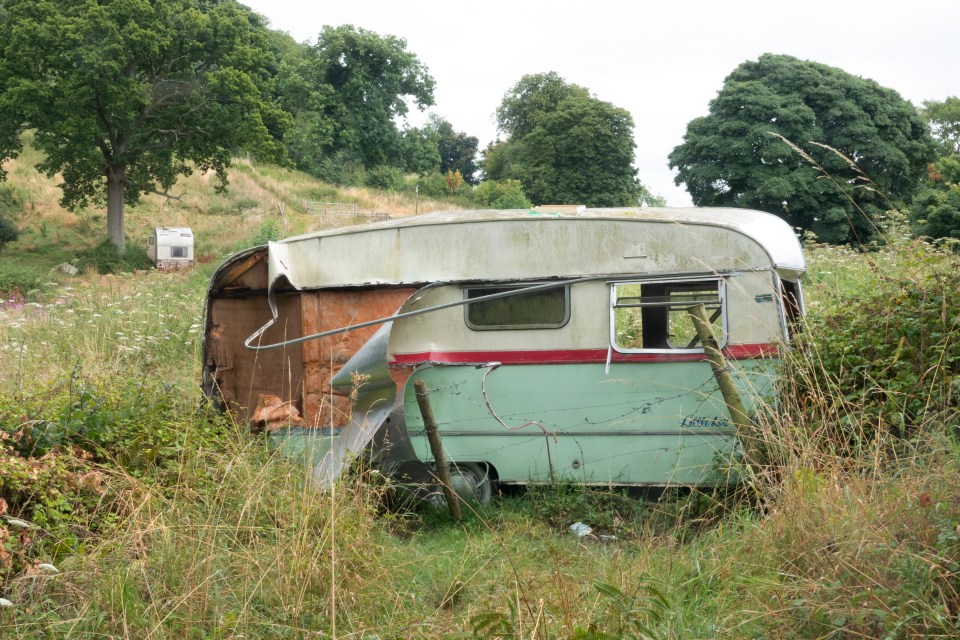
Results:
115 208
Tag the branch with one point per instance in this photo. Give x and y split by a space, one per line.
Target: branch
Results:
166 194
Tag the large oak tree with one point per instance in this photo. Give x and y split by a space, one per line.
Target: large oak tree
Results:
730 157
124 96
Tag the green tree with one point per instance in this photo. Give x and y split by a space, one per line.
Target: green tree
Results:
300 93
564 145
125 96
730 158
935 211
368 80
534 96
419 151
458 151
944 120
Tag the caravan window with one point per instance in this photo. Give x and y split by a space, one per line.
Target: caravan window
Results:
178 252
543 309
652 316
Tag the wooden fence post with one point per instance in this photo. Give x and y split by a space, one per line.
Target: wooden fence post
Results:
751 450
433 435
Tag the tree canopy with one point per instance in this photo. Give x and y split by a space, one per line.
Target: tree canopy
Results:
127 95
564 145
944 120
730 158
457 150
935 211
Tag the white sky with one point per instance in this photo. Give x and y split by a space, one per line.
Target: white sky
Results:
661 61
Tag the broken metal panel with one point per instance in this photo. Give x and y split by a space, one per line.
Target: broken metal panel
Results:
376 401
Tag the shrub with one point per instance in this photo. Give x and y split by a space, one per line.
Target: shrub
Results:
8 232
432 185
269 231
501 194
105 258
890 362
341 169
17 279
385 177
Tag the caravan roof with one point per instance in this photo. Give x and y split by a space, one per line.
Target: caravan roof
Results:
457 246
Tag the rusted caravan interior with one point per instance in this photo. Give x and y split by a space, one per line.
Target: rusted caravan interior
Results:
298 374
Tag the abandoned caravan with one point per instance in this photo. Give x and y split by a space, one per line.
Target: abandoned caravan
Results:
553 343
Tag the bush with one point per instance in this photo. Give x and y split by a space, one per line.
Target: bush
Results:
890 362
8 232
385 177
17 279
341 169
105 258
501 194
432 185
269 231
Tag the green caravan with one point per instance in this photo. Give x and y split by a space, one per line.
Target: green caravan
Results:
554 343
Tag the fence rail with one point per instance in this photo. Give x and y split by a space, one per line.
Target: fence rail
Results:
340 212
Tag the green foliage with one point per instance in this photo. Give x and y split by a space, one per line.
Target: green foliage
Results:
127 96
935 210
341 168
636 616
385 177
106 258
893 358
419 151
729 158
500 194
269 231
346 94
19 278
564 146
560 504
944 120
432 185
8 231
457 150
533 97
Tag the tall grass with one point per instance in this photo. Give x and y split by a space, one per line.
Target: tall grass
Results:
851 532
166 520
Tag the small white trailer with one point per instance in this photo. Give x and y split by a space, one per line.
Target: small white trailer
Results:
171 247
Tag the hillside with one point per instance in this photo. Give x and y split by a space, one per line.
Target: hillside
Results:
131 509
258 196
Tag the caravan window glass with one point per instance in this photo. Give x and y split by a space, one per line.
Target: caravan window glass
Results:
652 316
543 309
178 252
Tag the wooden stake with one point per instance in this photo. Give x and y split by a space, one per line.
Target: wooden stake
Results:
752 452
433 435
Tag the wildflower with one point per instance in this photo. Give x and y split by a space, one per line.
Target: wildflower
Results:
5 603
49 568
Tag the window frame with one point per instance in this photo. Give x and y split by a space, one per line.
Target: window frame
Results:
513 327
179 249
721 284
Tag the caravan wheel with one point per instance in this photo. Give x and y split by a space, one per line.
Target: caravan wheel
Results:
471 481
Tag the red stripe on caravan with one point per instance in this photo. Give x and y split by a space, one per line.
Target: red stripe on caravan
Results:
576 356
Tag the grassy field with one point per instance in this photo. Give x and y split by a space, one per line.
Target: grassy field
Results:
128 509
